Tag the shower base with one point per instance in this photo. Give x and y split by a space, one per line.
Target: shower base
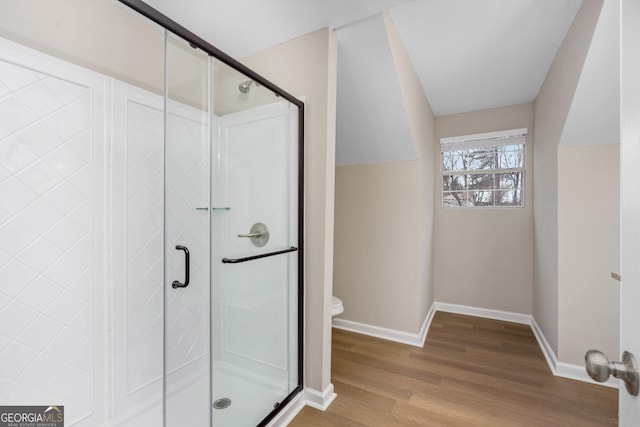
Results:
251 399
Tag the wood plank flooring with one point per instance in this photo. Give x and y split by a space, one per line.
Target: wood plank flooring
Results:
470 372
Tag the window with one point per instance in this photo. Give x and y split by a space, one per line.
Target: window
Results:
483 170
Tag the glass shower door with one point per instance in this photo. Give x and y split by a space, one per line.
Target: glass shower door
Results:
231 316
254 252
187 244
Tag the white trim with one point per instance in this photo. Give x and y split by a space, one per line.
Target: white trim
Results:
546 349
577 372
403 337
427 324
510 133
377 331
319 400
507 316
562 369
289 412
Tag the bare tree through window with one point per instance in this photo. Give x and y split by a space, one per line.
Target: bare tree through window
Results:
485 175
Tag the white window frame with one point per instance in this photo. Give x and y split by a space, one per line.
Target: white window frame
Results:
484 140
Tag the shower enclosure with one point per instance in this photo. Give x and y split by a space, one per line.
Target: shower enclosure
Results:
231 220
150 228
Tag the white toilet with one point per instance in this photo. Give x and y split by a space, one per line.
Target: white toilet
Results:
336 307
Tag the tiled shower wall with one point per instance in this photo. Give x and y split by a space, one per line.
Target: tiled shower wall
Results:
81 242
137 251
252 308
47 281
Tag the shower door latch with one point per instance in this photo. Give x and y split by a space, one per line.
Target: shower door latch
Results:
259 234
187 267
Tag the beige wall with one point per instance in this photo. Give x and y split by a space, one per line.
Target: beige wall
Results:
228 98
376 255
588 250
110 38
484 257
422 124
551 108
384 222
102 35
306 66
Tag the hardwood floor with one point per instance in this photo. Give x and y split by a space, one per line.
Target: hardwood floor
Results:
470 372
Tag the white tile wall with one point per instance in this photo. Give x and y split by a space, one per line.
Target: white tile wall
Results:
138 214
145 164
252 298
188 332
52 294
45 281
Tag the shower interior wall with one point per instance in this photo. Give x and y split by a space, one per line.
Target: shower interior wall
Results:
88 346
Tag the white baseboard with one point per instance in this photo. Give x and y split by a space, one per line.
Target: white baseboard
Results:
562 369
577 372
403 337
427 324
319 399
487 313
546 349
289 412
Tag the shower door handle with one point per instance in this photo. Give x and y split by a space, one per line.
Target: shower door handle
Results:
187 267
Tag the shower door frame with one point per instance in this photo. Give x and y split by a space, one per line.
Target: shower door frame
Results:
170 25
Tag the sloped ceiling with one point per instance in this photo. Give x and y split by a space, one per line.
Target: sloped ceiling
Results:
372 125
472 55
242 27
468 54
594 115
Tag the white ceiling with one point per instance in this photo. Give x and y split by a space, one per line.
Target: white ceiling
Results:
468 54
242 27
471 55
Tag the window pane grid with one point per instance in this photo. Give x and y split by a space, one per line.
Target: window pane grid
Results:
487 176
482 171
482 198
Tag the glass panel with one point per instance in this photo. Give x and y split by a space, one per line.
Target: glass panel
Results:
255 308
454 182
481 181
187 172
509 180
482 198
454 161
458 199
511 156
509 198
481 158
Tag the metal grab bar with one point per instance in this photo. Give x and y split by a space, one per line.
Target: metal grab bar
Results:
187 268
251 258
